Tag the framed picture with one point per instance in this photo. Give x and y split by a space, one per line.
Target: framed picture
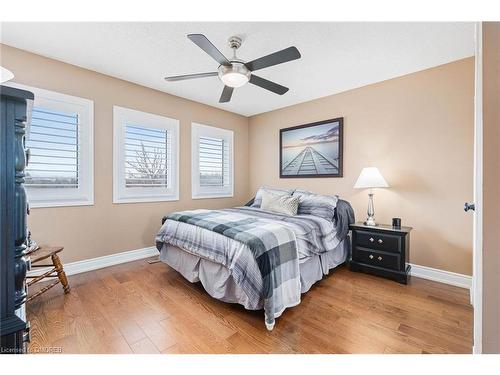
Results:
312 150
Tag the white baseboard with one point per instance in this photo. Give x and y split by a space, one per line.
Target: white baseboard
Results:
445 277
73 268
105 261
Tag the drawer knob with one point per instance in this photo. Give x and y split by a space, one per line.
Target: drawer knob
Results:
380 241
371 256
371 239
379 258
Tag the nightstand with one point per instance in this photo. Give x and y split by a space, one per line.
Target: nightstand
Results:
381 250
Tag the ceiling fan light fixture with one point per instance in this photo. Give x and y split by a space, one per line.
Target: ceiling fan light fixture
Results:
233 79
235 75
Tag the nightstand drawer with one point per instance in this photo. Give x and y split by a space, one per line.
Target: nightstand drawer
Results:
378 241
376 258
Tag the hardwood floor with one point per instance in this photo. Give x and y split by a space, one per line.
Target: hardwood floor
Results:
149 308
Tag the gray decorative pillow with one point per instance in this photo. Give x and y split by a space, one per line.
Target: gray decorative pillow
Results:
282 204
316 204
258 197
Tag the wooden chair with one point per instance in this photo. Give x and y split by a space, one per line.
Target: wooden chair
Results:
56 270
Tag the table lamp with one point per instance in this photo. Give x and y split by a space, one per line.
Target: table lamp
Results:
370 178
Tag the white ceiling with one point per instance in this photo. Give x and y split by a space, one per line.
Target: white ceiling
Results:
336 56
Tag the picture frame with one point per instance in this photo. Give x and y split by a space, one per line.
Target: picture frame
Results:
312 150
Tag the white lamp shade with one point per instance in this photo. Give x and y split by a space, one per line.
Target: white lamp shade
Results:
370 178
5 75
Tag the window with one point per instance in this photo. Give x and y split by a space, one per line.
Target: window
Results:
212 162
145 157
60 142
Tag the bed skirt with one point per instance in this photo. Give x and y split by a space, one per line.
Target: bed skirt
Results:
219 283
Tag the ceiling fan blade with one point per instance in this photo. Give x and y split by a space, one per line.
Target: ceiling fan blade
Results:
190 76
285 55
201 41
226 94
268 85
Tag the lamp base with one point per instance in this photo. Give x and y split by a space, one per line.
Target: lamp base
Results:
370 221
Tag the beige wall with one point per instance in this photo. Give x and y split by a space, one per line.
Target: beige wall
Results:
491 183
418 130
106 228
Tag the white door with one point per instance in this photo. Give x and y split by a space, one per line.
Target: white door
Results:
477 252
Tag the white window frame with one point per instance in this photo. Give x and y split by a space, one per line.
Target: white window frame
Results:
84 194
197 191
121 117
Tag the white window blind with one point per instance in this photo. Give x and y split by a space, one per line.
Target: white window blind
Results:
145 157
54 143
212 162
60 171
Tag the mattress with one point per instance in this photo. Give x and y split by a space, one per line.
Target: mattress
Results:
219 283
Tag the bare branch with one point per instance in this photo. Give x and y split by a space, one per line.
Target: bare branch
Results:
148 166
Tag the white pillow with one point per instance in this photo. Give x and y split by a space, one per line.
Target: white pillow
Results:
282 204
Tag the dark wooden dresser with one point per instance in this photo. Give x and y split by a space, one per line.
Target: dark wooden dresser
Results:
381 250
14 116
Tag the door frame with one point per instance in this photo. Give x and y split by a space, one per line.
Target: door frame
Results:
477 250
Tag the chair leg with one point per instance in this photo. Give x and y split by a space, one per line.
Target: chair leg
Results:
60 272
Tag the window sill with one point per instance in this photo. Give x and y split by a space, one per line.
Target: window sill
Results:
145 199
59 203
212 196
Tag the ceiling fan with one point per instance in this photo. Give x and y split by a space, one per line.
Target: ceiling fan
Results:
236 72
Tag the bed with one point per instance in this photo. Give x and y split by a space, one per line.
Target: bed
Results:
217 248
